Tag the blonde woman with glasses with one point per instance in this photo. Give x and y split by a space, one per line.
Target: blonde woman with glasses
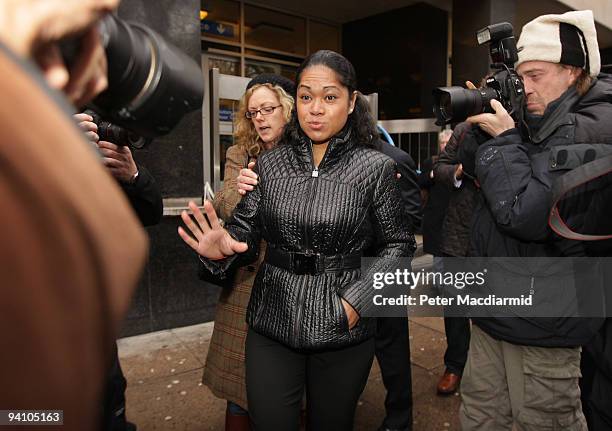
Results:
263 112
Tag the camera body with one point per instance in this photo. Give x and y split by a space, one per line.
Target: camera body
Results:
455 104
117 135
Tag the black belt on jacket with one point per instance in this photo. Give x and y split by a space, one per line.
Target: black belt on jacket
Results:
311 263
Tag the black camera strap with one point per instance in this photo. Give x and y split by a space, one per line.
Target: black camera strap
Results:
568 182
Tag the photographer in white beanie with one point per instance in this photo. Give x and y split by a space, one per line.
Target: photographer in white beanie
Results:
524 373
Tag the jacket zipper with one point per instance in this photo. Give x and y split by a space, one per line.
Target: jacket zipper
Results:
314 174
308 217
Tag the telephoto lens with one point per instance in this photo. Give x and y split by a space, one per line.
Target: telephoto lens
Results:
455 104
151 84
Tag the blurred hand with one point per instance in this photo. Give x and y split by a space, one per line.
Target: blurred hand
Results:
211 241
88 75
247 179
33 28
118 160
86 124
351 315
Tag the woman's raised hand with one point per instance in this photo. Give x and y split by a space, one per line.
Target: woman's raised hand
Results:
211 240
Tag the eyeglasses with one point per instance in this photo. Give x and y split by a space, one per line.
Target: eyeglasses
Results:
267 110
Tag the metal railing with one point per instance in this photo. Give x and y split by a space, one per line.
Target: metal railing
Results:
418 137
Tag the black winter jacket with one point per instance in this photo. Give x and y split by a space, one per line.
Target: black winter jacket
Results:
408 182
350 204
435 207
145 197
458 218
511 219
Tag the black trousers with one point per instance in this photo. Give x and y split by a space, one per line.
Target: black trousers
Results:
113 400
393 355
457 343
457 331
277 375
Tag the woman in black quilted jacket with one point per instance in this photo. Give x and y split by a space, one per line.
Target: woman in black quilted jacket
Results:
324 196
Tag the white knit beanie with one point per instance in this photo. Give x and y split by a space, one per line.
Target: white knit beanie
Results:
569 39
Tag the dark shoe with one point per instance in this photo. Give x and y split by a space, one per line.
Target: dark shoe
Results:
384 428
236 422
449 383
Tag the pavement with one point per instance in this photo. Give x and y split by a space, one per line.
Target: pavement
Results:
164 370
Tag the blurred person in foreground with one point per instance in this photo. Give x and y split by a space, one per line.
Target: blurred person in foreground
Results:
72 249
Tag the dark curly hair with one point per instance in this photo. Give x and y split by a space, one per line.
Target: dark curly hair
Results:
360 121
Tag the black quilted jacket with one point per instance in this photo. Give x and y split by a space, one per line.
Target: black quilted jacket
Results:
349 204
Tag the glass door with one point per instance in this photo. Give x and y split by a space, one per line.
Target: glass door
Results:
224 93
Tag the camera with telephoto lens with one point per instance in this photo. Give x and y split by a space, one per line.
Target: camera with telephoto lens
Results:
455 104
151 83
117 135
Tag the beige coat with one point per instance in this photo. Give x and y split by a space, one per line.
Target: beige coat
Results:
224 372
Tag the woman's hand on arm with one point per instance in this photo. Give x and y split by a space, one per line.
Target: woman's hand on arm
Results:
247 179
209 241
